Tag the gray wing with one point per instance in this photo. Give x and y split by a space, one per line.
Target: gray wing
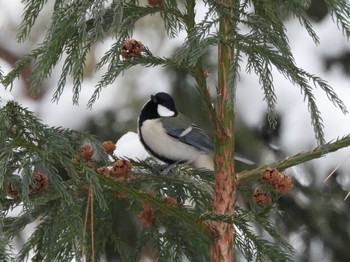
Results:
182 129
197 138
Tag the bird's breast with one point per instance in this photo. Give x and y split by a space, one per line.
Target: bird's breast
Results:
160 143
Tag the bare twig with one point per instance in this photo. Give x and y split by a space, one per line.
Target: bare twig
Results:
85 225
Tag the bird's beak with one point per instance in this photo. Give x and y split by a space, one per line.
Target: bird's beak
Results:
153 99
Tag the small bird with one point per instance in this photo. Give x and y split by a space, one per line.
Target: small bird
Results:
172 138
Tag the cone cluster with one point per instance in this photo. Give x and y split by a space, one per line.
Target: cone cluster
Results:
278 183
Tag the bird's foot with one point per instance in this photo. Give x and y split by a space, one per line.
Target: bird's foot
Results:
164 169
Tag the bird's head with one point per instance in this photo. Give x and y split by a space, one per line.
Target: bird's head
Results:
165 104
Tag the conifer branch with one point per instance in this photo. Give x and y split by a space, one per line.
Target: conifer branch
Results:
31 12
340 11
195 63
27 144
251 175
189 218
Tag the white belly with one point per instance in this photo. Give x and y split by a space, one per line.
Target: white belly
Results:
154 136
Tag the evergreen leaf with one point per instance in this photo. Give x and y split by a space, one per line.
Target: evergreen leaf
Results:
340 11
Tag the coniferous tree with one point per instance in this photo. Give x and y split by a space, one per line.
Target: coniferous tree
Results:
73 186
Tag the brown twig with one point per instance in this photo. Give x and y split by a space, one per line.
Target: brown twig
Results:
91 194
85 226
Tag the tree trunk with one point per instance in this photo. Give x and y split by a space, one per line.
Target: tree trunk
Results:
225 183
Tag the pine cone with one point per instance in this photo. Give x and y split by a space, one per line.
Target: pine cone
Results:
12 190
279 181
155 2
87 151
283 184
170 201
147 217
40 182
121 169
109 147
104 171
131 48
261 198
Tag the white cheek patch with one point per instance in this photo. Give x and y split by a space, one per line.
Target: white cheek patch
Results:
164 112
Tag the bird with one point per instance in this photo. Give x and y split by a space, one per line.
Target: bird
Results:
171 137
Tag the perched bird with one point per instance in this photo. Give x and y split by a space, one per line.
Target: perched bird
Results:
171 137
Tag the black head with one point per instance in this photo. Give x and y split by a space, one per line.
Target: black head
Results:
160 105
165 102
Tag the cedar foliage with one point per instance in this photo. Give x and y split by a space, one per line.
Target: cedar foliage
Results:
177 231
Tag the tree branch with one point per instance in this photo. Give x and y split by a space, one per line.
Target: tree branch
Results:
251 175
